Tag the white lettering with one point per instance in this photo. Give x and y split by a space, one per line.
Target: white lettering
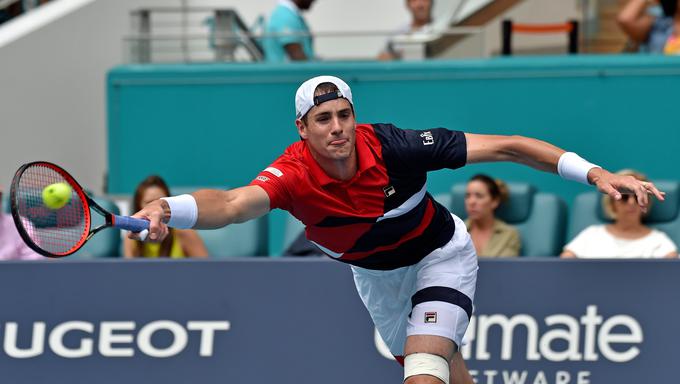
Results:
590 320
107 337
606 338
562 377
571 336
583 377
37 341
559 340
514 377
207 329
56 339
179 338
507 326
490 375
540 378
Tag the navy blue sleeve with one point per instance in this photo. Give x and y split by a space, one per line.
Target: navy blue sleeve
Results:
422 150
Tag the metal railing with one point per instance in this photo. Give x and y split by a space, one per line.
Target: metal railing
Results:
206 34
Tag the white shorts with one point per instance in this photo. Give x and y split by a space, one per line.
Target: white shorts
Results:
432 297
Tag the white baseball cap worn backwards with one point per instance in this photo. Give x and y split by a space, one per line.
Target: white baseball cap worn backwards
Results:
305 99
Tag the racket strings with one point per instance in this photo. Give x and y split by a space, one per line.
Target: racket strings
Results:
56 231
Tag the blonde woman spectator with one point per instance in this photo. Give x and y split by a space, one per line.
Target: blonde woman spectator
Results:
491 236
626 237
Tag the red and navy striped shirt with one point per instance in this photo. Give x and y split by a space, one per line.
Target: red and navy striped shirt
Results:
383 218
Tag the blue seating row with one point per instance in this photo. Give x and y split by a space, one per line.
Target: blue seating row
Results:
540 217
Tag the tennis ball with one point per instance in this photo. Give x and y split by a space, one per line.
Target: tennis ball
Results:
56 195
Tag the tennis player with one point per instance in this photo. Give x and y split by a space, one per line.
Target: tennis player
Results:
360 190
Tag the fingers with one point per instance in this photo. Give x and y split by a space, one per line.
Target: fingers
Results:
611 191
651 188
157 229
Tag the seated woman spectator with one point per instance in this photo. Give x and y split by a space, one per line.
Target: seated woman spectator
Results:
491 236
179 243
652 27
626 237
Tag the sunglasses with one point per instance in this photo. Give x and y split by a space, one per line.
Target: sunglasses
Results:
625 198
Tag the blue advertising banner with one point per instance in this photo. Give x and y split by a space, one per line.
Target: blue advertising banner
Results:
300 321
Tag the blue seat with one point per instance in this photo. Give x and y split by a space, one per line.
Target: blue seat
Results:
664 216
106 243
540 218
238 240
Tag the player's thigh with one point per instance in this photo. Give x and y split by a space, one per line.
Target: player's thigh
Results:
435 345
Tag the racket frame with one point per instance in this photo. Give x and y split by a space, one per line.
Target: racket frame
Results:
78 189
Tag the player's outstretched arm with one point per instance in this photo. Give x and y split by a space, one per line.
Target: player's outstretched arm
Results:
547 157
203 209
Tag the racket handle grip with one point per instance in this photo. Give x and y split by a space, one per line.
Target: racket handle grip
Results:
130 223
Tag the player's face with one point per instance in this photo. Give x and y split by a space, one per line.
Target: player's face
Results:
330 129
478 201
151 194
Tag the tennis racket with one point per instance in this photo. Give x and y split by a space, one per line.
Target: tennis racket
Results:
58 232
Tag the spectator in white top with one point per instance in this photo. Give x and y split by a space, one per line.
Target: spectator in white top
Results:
626 237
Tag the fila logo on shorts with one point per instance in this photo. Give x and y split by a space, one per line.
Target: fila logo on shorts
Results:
430 317
389 191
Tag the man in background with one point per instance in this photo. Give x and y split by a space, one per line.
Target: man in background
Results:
290 38
421 22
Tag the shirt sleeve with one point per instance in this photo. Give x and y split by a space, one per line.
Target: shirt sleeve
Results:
422 150
277 180
287 23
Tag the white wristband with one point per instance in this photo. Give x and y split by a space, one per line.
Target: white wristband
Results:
573 167
183 211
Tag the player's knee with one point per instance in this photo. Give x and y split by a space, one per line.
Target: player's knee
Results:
425 368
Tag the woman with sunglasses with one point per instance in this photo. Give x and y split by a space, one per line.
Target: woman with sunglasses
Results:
626 237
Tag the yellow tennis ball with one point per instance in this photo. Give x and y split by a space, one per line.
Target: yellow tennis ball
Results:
56 195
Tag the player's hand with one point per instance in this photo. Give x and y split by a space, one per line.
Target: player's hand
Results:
616 185
156 212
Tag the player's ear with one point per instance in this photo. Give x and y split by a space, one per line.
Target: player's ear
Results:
302 128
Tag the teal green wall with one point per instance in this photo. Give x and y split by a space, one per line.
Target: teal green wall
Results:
220 124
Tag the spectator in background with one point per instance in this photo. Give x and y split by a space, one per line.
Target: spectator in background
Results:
491 236
421 22
12 247
178 244
626 237
287 19
653 27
